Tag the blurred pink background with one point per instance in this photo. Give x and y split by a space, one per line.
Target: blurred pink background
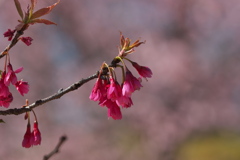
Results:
192 48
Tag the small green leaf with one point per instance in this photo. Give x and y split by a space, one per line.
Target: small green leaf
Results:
43 11
2 121
19 8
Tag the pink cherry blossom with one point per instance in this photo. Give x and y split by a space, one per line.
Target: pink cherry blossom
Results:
27 40
11 75
27 139
130 84
114 111
22 87
114 90
5 96
6 100
124 101
142 70
4 91
104 101
9 33
36 135
98 91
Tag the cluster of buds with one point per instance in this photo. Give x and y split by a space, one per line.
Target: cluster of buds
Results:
8 76
31 138
107 89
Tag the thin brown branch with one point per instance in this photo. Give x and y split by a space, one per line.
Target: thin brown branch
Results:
56 149
59 94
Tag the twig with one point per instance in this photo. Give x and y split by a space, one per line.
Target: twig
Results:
56 149
59 94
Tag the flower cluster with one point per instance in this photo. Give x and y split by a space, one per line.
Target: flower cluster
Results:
9 77
32 138
10 33
107 89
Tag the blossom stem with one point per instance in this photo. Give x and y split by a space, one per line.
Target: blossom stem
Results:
28 118
34 115
128 59
5 65
124 68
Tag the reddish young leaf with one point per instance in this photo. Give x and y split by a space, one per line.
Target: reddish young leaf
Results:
33 3
43 11
19 8
47 22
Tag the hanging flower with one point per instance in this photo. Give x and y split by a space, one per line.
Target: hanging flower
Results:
145 72
27 143
98 91
124 101
22 87
27 40
11 75
114 90
130 84
114 111
36 135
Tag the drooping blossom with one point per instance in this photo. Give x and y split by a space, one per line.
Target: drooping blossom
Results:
124 101
36 135
11 75
5 95
114 90
4 91
27 40
6 100
130 84
98 91
114 111
9 33
114 96
143 71
27 139
22 87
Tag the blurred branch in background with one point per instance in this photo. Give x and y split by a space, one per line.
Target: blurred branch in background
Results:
56 149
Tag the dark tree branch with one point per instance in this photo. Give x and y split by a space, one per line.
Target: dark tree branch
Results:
59 94
56 149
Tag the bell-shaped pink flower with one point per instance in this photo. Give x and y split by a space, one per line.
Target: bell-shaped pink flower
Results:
6 100
104 101
36 135
27 40
98 91
114 91
11 75
114 111
5 95
124 101
130 84
27 139
22 87
145 72
4 91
